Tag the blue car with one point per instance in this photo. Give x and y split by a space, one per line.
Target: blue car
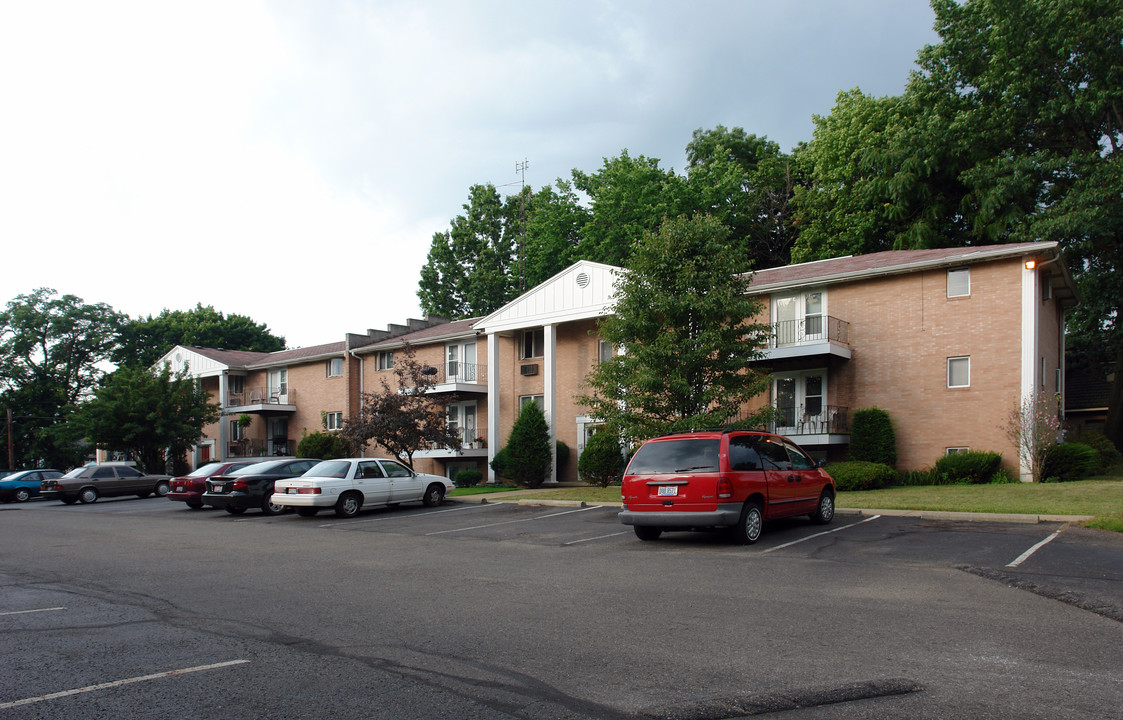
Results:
22 485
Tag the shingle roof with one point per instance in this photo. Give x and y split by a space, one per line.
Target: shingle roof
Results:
246 358
448 329
856 266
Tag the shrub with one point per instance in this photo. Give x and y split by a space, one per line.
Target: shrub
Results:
861 475
872 438
499 464
323 445
561 452
913 478
528 448
1069 461
1107 456
468 478
602 462
975 467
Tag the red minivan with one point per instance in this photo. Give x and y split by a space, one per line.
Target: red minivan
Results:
732 479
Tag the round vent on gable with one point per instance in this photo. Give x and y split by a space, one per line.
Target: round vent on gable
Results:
582 279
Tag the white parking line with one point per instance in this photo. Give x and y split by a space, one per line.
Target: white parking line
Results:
826 532
383 518
511 522
1025 556
598 537
24 612
118 683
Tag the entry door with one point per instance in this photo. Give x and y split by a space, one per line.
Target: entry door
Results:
799 318
801 403
461 359
278 436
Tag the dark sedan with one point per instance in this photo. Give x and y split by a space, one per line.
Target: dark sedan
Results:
22 485
190 488
252 487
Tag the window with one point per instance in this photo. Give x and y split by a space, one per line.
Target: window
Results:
959 372
333 420
956 450
237 384
386 360
237 431
605 351
335 367
534 344
524 399
278 382
959 282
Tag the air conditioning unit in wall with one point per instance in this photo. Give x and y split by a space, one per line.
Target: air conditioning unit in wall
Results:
528 369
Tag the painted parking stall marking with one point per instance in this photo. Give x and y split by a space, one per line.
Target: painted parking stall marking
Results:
119 683
511 522
37 610
598 537
1028 553
384 518
825 532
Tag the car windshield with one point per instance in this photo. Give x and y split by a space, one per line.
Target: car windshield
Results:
75 472
329 468
205 470
259 469
674 456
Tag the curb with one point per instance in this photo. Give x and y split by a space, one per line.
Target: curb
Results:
848 512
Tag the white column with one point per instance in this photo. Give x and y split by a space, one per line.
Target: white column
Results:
223 422
1028 385
492 403
549 403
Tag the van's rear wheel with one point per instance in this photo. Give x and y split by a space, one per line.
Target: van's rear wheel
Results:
750 525
646 532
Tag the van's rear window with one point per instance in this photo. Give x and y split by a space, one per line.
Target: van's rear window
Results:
675 456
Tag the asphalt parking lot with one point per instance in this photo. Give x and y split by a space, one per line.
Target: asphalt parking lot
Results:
142 608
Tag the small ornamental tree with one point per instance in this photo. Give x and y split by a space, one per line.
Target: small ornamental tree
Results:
403 419
871 437
324 446
1033 427
602 462
528 456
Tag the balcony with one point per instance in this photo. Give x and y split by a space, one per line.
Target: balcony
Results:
813 425
262 399
474 443
808 337
458 376
247 448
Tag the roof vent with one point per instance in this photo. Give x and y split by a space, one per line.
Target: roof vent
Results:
582 279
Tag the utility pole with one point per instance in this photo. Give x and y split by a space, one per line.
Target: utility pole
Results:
11 446
520 168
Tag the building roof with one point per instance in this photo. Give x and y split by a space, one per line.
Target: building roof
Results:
891 262
248 359
446 330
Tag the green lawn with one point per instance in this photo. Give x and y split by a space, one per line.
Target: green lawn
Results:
1101 497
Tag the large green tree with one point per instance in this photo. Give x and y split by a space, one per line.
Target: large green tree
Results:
683 321
144 340
52 352
153 415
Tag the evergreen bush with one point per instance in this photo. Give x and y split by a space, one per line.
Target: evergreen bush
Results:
1107 457
528 448
975 467
872 438
1066 462
860 475
602 462
323 445
468 478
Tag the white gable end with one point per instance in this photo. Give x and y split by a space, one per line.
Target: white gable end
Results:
583 290
197 365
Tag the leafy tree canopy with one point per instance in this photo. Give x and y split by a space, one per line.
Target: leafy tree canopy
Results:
680 317
145 340
147 413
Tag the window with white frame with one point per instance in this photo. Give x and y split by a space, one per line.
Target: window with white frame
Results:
959 282
237 431
956 450
524 399
605 351
959 372
237 384
385 360
533 344
333 420
335 367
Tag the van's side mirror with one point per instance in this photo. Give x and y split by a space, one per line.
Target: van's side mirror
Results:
821 463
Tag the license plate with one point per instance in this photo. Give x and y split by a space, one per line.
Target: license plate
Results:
291 491
179 488
665 490
217 488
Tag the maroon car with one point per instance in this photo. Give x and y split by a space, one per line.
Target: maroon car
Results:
190 487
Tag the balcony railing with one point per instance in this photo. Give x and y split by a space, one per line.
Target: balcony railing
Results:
258 448
470 439
811 420
283 395
457 371
814 329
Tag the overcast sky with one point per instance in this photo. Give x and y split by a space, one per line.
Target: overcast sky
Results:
290 161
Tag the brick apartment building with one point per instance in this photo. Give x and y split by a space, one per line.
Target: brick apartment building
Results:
946 340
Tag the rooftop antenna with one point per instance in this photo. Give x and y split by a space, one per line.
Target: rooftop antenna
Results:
520 169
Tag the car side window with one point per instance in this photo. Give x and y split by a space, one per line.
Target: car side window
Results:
394 469
102 472
128 472
302 466
774 454
370 470
800 460
743 455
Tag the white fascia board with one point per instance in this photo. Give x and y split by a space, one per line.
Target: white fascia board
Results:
198 366
519 313
385 345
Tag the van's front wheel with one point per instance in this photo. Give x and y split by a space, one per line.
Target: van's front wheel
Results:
824 512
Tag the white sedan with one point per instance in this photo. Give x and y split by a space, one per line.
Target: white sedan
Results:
348 485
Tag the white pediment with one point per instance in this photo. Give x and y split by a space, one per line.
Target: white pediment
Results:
581 291
197 365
